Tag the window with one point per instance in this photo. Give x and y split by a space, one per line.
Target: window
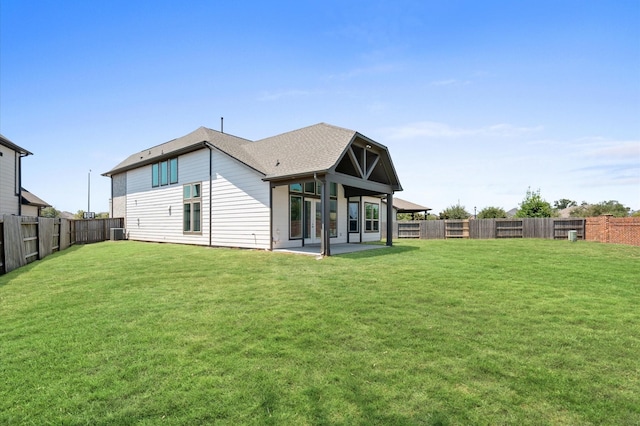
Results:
354 221
333 218
371 217
173 170
296 207
295 217
192 212
164 172
164 175
333 191
309 188
155 174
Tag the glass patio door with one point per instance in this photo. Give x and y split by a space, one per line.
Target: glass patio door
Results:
312 221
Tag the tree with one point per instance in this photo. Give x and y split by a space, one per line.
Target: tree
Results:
492 213
454 212
410 216
611 207
50 212
563 203
534 205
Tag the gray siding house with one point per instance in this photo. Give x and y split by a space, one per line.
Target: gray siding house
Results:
318 185
11 177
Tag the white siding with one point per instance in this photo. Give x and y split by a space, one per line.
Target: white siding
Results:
343 218
8 198
240 212
383 213
240 209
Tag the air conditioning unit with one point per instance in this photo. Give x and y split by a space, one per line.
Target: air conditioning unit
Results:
117 234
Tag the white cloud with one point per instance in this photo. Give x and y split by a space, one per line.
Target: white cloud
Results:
435 130
613 149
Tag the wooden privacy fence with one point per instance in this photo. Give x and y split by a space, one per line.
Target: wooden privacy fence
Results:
553 228
26 239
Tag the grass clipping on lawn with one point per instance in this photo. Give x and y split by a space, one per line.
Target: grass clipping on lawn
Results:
426 332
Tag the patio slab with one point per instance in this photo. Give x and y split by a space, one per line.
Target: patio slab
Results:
336 249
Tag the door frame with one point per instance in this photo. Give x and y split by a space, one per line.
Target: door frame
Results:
312 224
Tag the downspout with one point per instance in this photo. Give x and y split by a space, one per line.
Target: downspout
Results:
20 183
270 216
361 218
210 192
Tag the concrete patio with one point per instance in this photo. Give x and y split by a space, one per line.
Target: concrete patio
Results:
336 249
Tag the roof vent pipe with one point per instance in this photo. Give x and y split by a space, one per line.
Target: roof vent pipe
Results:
221 124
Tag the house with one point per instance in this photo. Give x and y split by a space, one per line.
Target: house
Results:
32 205
11 177
403 206
318 185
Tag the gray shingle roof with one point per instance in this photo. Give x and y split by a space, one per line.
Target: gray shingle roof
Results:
229 144
312 149
30 199
407 206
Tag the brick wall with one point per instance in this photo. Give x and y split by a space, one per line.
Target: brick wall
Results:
617 230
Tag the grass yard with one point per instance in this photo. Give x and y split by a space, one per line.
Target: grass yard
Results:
424 333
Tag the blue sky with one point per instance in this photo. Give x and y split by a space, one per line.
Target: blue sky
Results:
476 100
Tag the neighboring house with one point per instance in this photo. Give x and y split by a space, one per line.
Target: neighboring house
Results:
67 215
11 176
403 206
318 185
31 204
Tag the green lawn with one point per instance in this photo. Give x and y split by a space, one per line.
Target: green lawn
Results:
427 332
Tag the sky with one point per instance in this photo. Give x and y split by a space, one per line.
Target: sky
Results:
477 101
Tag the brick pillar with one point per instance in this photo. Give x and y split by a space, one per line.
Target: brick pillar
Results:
607 230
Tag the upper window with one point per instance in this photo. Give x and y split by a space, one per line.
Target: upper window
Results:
164 173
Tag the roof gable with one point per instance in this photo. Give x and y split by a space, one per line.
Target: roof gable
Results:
320 148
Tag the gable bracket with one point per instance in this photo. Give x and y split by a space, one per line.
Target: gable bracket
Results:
371 167
356 163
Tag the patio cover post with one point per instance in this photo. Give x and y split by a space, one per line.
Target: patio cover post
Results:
390 219
325 242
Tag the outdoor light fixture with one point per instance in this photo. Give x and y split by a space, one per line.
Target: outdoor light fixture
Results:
368 146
